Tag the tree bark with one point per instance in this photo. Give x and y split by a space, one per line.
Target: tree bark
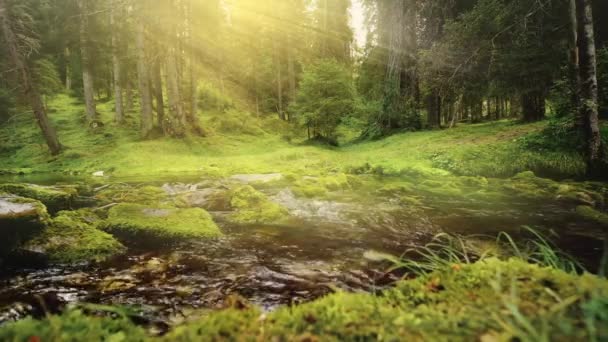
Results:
116 66
158 93
87 72
588 86
291 69
279 80
575 77
29 88
143 78
191 114
68 69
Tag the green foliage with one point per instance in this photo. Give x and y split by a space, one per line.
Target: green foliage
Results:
159 224
73 326
7 104
210 98
46 77
326 95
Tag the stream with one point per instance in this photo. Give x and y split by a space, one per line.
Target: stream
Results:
318 250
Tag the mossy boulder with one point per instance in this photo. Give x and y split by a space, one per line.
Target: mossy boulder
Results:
158 224
121 193
20 218
71 237
252 206
592 214
54 198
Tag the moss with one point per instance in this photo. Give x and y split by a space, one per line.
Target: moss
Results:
475 182
54 198
120 193
72 238
489 300
309 190
158 224
462 303
335 182
73 325
591 214
393 188
252 206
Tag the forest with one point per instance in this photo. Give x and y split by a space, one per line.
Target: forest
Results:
303 170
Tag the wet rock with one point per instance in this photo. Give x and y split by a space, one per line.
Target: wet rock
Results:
72 238
253 206
209 199
139 223
257 178
20 218
53 197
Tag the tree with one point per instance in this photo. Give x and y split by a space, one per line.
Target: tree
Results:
325 97
116 63
143 74
588 86
28 87
87 71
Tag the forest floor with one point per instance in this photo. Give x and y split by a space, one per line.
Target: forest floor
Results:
238 142
177 227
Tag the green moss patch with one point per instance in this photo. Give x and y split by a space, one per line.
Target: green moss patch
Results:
252 206
591 214
120 193
72 238
160 223
55 198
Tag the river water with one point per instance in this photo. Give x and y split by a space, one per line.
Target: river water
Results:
318 250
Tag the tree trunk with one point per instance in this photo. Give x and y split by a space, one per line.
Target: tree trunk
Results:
143 78
87 72
158 93
588 86
175 105
434 110
116 66
575 77
68 69
29 88
533 105
291 69
191 113
279 80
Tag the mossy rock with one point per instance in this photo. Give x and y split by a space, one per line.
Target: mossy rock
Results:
119 193
591 214
252 206
474 182
54 198
397 188
71 237
335 182
20 218
158 224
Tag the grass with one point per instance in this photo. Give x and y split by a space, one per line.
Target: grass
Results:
258 145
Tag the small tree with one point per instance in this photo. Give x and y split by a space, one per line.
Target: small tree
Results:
326 95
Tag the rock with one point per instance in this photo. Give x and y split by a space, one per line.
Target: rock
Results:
253 206
98 174
20 218
55 198
257 178
208 199
139 223
72 238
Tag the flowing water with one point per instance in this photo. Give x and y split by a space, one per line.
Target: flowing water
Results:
320 249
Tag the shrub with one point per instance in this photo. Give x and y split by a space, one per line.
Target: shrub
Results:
325 97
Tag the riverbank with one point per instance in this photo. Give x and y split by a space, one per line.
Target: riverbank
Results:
238 143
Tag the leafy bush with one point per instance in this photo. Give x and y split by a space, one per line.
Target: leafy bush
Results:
210 98
325 97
